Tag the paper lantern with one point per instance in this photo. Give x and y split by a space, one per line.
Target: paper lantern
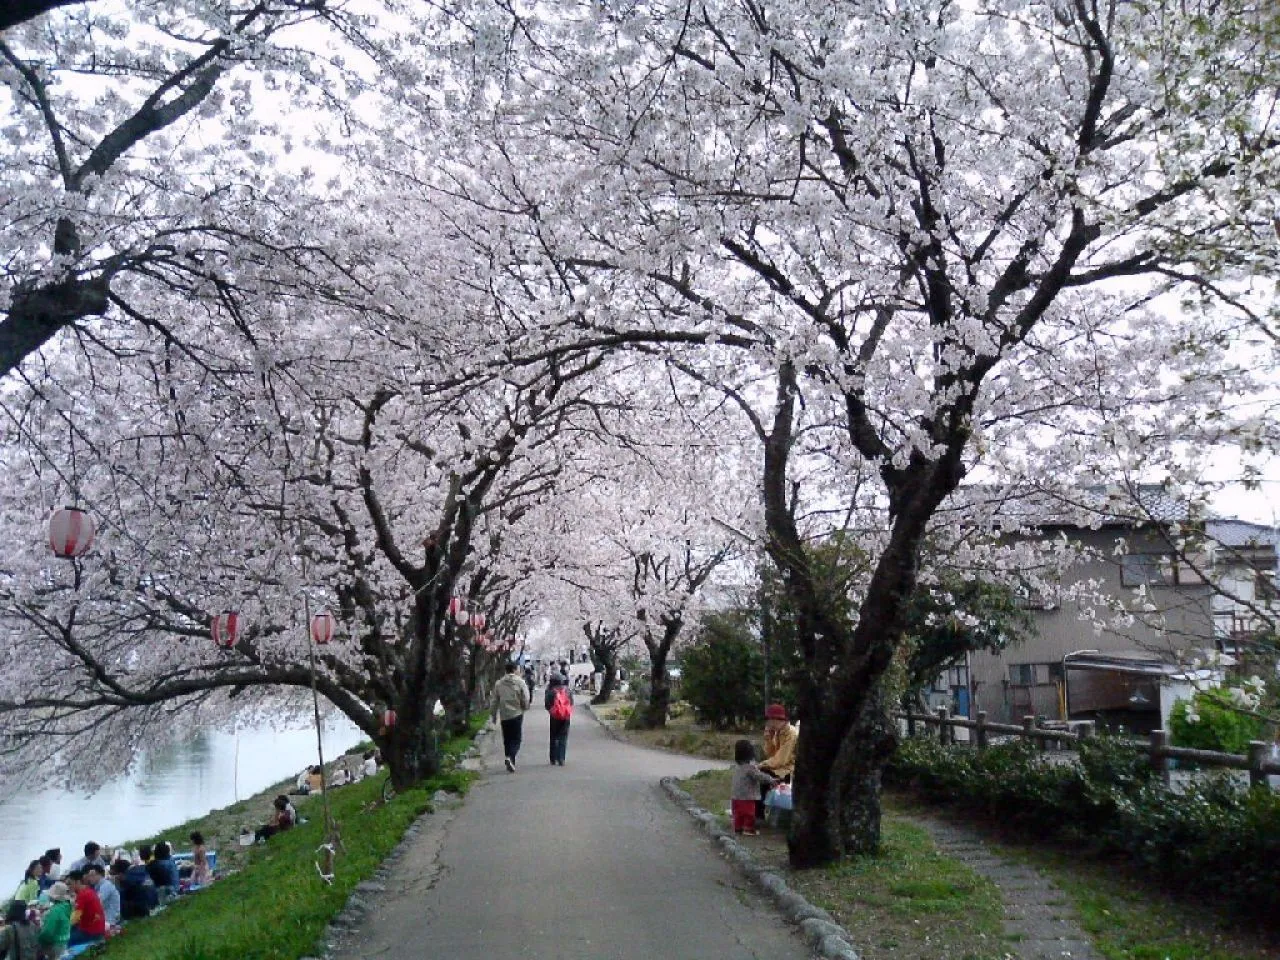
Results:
389 719
226 629
455 606
461 618
478 621
322 627
71 532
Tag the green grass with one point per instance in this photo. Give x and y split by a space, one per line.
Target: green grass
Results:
908 902
1128 921
276 907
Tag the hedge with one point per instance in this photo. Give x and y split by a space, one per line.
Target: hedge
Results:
1214 838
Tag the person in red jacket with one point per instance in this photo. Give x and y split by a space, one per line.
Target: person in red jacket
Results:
88 922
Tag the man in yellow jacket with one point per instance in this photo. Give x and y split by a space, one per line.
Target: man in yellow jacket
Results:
780 739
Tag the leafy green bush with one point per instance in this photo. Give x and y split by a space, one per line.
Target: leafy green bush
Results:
1207 722
1214 834
723 673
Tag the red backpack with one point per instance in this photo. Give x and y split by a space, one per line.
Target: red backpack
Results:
561 706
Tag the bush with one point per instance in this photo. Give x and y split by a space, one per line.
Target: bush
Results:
1212 835
1217 726
723 673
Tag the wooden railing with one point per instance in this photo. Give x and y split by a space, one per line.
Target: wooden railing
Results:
1157 747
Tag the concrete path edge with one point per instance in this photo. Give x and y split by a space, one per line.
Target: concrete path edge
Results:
826 936
356 909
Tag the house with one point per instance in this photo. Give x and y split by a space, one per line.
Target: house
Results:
1217 594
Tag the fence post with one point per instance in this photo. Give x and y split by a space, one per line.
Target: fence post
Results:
911 723
1159 760
1028 725
980 731
1258 750
942 726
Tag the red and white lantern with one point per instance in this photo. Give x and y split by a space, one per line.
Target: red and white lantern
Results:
461 618
388 718
322 628
71 532
478 620
226 629
455 606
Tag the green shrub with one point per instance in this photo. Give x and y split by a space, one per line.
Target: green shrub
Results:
1214 834
1217 726
723 673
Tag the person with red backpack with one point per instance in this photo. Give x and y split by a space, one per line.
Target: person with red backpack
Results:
559 704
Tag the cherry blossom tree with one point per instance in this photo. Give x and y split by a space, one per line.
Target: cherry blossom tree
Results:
938 229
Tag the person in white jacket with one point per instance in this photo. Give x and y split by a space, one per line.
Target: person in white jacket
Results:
510 701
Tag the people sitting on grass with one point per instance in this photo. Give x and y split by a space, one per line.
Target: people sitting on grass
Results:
92 855
164 872
54 872
88 922
29 888
55 928
18 936
370 765
47 878
282 818
138 894
107 893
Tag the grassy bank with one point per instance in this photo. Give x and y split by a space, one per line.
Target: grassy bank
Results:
680 735
910 902
276 907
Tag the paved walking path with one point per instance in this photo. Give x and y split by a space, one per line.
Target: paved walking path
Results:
583 862
1038 917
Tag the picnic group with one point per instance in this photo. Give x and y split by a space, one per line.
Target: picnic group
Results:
57 913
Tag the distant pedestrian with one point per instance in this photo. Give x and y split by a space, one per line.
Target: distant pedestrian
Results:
559 704
510 701
745 790
55 855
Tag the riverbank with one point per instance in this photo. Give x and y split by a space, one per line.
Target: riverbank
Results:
275 905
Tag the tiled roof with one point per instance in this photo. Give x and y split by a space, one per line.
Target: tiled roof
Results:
1240 533
1079 507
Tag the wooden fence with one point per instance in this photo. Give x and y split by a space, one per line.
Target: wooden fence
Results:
1157 747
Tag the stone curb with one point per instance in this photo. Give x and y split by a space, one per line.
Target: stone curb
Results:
826 936
357 907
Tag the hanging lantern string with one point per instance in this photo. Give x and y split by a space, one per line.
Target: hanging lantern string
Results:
330 825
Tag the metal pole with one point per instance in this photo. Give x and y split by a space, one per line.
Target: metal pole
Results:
331 828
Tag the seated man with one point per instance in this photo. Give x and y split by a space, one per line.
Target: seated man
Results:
107 893
88 922
163 872
780 738
283 817
138 895
92 855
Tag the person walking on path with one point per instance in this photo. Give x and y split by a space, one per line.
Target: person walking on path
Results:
510 701
559 704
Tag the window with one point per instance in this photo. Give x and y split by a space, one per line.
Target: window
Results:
1147 569
1030 674
1159 570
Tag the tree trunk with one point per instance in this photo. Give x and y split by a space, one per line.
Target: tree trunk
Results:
412 749
652 715
837 786
609 661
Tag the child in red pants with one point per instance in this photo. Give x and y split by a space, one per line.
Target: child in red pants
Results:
747 778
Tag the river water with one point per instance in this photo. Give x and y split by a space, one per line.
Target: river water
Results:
166 788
